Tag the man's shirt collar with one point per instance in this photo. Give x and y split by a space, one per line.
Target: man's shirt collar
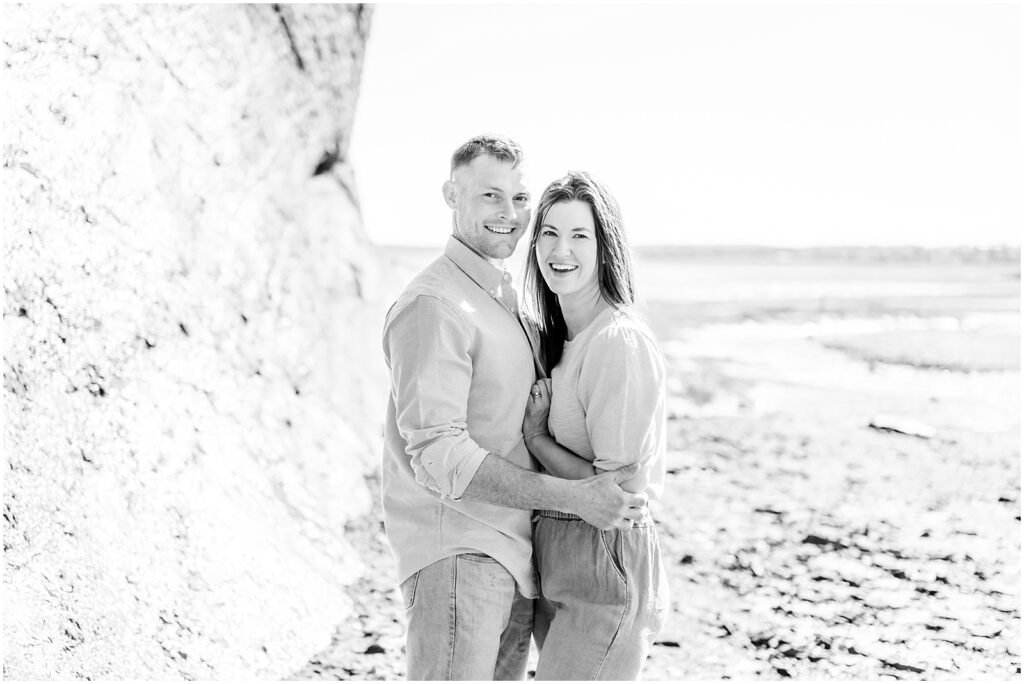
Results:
498 284
483 273
494 281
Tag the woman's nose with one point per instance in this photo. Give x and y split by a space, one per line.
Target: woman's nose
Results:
562 247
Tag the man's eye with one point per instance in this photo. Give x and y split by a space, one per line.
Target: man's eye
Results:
523 200
489 195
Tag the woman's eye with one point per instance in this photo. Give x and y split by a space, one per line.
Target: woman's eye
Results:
547 231
581 235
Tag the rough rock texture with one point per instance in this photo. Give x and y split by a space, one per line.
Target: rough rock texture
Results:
184 275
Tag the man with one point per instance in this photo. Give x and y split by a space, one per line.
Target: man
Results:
458 482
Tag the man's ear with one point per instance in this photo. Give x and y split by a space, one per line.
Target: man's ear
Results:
448 189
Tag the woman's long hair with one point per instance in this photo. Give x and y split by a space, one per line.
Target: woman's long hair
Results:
614 262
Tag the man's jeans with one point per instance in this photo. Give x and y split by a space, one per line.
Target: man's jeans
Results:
467 620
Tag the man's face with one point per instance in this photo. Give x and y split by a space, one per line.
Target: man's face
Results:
491 206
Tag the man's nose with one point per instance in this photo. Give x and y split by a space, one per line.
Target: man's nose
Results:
508 210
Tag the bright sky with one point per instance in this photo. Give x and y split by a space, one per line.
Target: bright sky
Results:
773 124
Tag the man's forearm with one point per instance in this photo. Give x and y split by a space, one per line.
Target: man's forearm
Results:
599 500
505 484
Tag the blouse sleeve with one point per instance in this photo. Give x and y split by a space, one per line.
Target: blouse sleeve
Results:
622 389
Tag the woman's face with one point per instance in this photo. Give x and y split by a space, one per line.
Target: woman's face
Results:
567 248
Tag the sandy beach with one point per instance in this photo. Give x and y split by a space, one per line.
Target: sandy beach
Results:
843 477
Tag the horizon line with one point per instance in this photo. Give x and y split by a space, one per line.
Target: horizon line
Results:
726 245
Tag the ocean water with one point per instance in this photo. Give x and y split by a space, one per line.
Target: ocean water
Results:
958 312
951 309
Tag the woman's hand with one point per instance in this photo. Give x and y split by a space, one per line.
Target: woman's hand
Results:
536 420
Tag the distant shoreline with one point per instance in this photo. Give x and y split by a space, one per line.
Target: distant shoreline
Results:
1004 254
997 254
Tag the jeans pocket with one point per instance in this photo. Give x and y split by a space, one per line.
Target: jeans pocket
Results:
612 549
409 590
477 557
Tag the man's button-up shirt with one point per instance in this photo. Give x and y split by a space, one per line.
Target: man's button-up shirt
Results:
461 369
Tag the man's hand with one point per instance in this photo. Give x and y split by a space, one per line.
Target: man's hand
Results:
604 504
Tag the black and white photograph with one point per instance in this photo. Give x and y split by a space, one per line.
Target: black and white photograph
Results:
554 341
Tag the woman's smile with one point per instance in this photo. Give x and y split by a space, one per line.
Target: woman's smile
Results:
562 269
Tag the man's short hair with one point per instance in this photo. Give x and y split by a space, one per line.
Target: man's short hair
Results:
497 146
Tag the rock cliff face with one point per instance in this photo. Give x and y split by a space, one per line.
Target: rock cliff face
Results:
187 347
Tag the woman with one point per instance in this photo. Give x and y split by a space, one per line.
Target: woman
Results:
604 593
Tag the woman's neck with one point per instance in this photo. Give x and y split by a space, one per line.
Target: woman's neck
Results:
580 309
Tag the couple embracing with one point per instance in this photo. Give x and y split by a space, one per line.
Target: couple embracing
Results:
521 449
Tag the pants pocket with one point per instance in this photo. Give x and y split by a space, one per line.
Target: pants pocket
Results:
611 541
477 558
409 590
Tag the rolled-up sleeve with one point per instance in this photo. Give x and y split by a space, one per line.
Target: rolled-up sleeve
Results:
428 349
622 388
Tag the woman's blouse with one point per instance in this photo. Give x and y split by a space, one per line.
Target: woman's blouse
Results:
608 398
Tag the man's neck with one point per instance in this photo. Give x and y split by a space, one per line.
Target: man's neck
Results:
497 263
